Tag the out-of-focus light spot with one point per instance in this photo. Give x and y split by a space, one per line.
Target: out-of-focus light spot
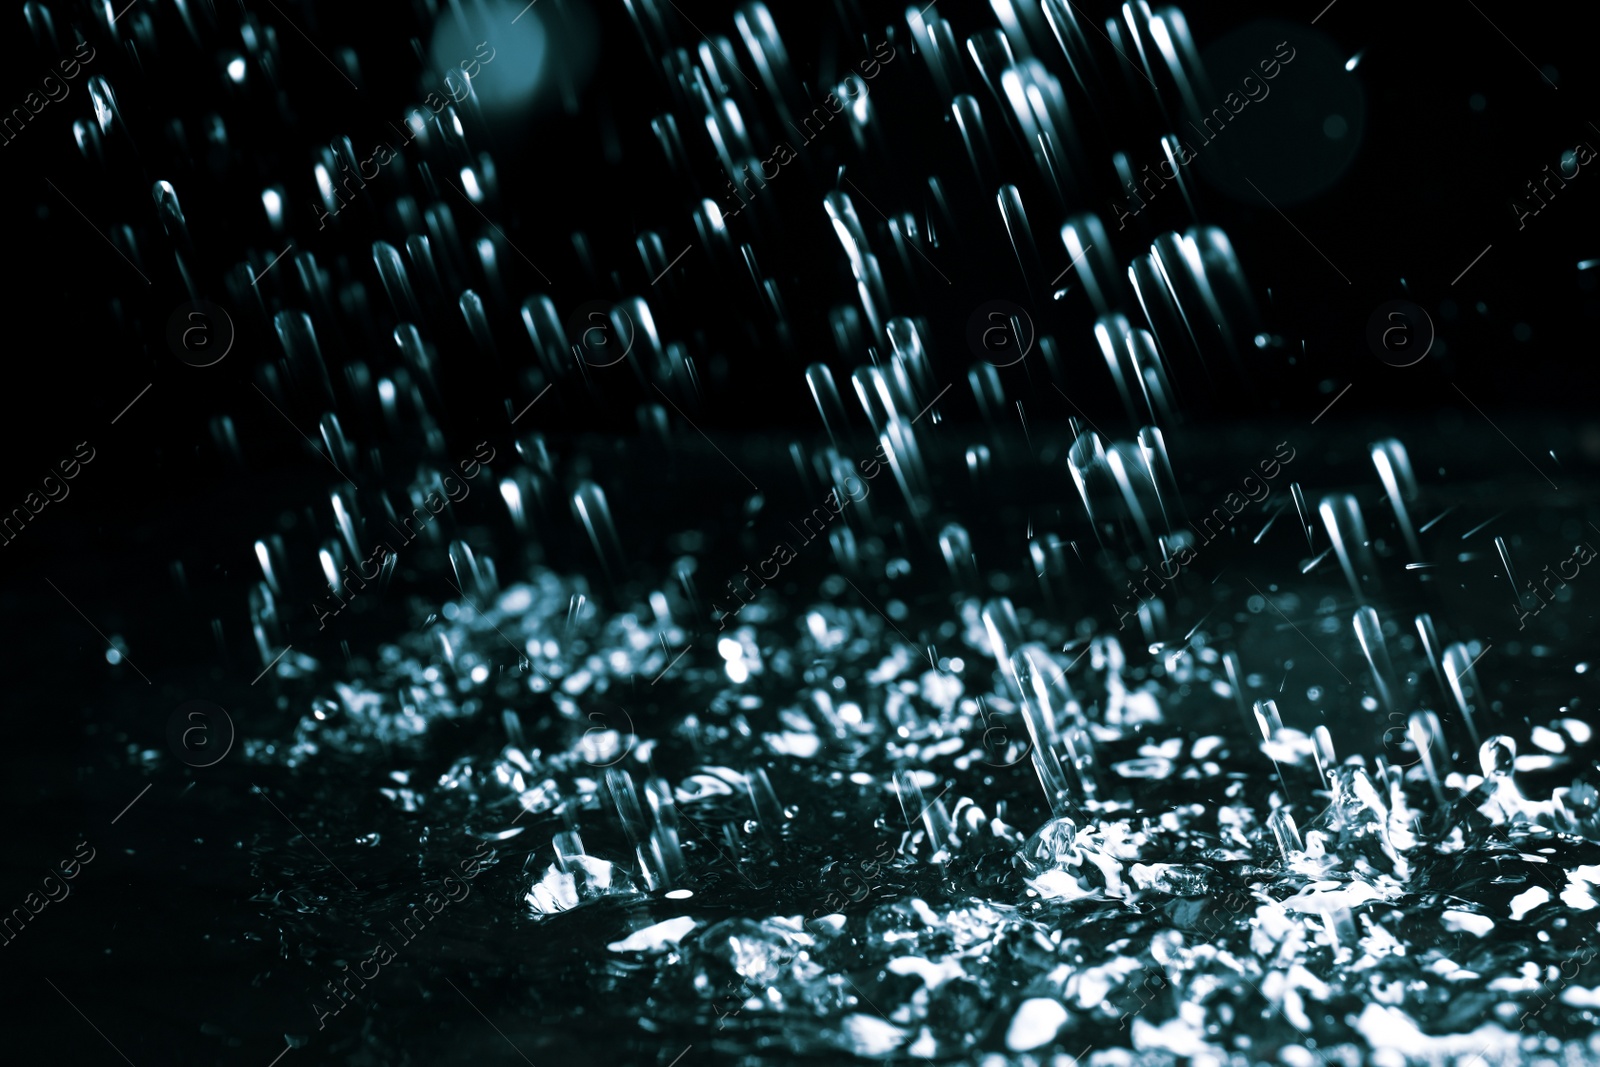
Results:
679 894
1477 102
274 205
817 625
104 101
1334 127
480 674
1159 34
325 187
730 650
850 713
735 121
738 673
469 182
858 107
500 46
1355 60
713 214
236 70
1548 739
113 657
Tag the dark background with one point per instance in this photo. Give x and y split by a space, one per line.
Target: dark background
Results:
1432 184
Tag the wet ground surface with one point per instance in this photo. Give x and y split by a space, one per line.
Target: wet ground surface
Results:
804 835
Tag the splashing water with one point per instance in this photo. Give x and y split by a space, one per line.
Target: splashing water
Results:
1031 747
